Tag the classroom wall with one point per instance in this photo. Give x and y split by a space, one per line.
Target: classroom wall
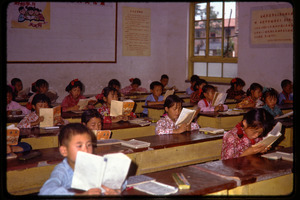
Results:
169 46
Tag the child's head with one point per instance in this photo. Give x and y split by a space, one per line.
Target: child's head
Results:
287 86
115 84
237 84
110 93
173 106
17 83
269 97
208 92
75 137
257 123
156 88
40 101
40 86
164 80
74 88
200 83
255 90
135 82
92 119
9 94
194 78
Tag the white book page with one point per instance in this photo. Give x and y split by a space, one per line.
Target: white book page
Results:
285 115
168 92
185 116
116 108
88 171
116 170
272 136
220 99
156 188
47 113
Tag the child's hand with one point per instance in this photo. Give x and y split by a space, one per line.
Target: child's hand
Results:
37 122
59 120
109 191
261 148
124 117
219 108
73 108
182 128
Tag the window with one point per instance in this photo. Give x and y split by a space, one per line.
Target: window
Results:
213 41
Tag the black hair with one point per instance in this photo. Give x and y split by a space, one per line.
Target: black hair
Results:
285 82
199 82
14 81
237 81
72 129
9 89
21 8
194 78
114 82
253 87
87 115
41 98
39 83
171 100
106 92
205 89
74 83
136 81
259 118
155 83
269 92
164 76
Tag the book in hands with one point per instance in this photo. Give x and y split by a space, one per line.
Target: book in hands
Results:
118 108
186 116
102 134
168 93
82 103
271 137
285 115
219 98
92 171
50 116
135 144
12 135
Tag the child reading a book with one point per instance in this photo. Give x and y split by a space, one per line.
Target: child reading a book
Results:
269 97
70 102
286 96
193 80
72 138
166 125
205 104
33 119
92 119
238 141
164 80
253 97
41 86
195 96
112 83
134 87
236 89
155 98
12 105
110 94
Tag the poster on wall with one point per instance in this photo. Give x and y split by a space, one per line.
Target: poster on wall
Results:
31 15
136 28
271 26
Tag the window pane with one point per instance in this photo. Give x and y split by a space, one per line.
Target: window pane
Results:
215 46
215 28
199 48
230 7
230 30
230 47
200 11
200 68
215 69
200 29
216 10
230 70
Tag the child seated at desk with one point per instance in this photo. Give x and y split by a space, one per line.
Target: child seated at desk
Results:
236 89
238 141
286 96
269 97
92 119
41 86
195 96
155 98
164 80
205 104
166 125
72 138
33 119
12 105
112 83
193 80
17 86
134 87
253 97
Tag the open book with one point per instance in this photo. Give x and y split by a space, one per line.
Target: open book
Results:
285 115
136 144
219 98
211 130
121 107
102 134
139 179
156 188
82 103
50 115
186 116
168 92
279 155
92 171
272 136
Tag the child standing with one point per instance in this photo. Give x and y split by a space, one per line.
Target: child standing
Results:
134 87
195 96
92 119
269 97
238 141
33 119
72 138
205 104
154 98
166 125
190 90
236 90
253 95
12 105
286 96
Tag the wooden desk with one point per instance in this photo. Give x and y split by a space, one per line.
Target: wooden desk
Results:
285 108
72 117
287 131
166 151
